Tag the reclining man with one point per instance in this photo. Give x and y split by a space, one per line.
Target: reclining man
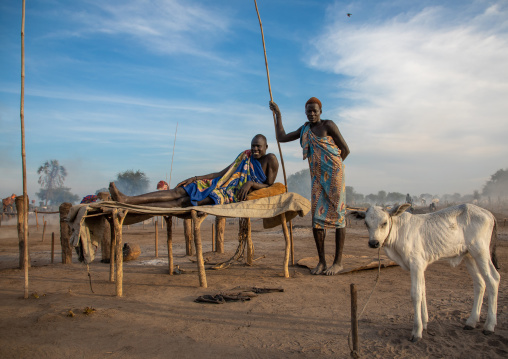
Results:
253 169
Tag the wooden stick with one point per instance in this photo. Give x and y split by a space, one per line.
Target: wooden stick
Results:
20 202
213 238
43 231
220 226
36 220
250 245
354 319
169 231
52 247
118 218
23 153
65 233
187 232
275 125
288 245
112 254
196 221
156 239
172 156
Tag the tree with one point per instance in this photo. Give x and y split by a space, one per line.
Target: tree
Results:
59 195
497 186
300 182
132 183
395 197
52 176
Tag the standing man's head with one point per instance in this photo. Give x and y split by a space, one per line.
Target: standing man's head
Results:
313 110
258 146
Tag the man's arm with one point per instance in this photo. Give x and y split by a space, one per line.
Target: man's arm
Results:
281 134
208 176
271 174
333 130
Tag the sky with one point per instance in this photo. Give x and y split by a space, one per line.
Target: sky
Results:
418 89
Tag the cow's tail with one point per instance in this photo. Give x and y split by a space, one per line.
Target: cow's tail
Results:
493 242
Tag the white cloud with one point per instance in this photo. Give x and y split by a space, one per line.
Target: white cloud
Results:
163 26
427 90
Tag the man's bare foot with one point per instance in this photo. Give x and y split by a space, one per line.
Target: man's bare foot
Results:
319 268
334 269
116 195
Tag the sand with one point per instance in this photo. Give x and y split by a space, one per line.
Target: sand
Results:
158 318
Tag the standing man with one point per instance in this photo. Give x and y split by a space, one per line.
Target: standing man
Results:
325 150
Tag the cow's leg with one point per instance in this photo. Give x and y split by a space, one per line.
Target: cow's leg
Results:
491 277
425 314
479 291
417 283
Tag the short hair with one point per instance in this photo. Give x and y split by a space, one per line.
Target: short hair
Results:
314 100
261 136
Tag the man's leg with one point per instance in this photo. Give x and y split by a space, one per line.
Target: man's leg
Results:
158 196
340 238
319 238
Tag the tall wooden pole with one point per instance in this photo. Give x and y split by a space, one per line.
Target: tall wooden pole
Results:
172 156
275 124
23 153
270 91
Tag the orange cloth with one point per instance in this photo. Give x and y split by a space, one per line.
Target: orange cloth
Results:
273 190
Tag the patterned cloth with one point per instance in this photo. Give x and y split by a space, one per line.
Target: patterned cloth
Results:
328 183
224 190
89 199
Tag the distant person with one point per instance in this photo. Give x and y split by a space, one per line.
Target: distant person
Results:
251 170
162 186
325 150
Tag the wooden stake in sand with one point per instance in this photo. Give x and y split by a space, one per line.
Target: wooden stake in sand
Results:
23 153
156 239
275 124
355 353
43 231
52 247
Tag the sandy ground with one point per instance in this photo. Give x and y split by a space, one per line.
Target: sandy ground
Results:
158 318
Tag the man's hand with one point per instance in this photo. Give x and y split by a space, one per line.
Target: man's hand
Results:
188 181
244 191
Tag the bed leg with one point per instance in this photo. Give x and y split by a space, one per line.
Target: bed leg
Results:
199 248
169 231
118 218
288 245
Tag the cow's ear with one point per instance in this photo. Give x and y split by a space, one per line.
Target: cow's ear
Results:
397 211
358 214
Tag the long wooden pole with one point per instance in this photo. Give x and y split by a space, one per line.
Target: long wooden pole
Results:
270 91
23 153
172 156
275 125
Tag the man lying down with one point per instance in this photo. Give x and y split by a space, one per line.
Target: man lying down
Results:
253 169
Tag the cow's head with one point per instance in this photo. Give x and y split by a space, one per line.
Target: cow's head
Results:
379 222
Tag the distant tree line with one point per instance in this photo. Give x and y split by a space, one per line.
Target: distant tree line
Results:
53 192
495 189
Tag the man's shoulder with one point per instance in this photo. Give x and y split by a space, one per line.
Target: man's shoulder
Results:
270 157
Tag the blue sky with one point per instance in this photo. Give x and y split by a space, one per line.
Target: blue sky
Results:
418 89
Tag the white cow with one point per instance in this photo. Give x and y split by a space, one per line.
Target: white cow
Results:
414 241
